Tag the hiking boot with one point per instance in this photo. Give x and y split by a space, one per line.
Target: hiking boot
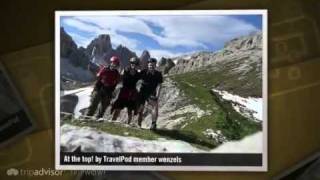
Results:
86 118
153 126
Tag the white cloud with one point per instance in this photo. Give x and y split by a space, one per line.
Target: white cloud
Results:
186 31
198 30
158 53
79 40
81 26
117 23
132 44
95 30
134 24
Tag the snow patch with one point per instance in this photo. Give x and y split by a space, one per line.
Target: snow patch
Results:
244 106
74 91
92 140
84 95
249 144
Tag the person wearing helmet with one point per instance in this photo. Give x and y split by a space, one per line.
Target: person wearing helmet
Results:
128 93
150 91
107 79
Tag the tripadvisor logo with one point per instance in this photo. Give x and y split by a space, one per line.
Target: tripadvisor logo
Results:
33 172
12 172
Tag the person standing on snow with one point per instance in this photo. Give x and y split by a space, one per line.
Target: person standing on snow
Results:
107 79
128 92
150 91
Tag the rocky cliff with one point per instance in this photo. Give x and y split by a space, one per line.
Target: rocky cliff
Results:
244 49
80 64
99 47
165 64
144 59
73 61
67 45
100 50
124 54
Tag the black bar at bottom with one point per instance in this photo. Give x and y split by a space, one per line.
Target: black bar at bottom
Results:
173 159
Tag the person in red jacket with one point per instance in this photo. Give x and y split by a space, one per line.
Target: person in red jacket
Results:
107 79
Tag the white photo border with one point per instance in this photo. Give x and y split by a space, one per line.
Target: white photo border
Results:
262 12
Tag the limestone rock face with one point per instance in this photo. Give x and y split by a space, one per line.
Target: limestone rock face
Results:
69 50
73 61
244 49
81 64
100 50
67 45
124 54
251 42
165 64
144 59
99 47
102 44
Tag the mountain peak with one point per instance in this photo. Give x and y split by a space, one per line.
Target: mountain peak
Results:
104 36
244 48
251 41
67 45
99 46
145 55
124 54
120 47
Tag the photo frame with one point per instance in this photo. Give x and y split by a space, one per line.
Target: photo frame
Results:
101 144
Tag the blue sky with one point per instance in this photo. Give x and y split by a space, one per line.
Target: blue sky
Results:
162 35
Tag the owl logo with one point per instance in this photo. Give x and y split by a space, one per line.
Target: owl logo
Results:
12 172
